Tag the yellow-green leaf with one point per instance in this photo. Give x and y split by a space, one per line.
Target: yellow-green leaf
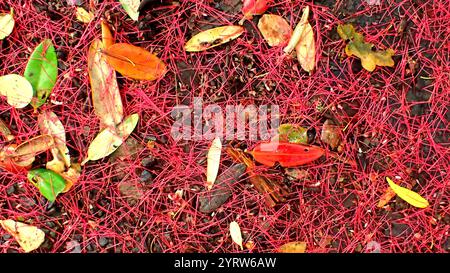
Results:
83 15
213 37
6 24
17 89
29 237
131 7
409 196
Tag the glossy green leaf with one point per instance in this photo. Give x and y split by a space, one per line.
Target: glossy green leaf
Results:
49 183
42 71
293 133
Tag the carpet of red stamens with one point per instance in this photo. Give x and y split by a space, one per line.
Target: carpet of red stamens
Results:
395 119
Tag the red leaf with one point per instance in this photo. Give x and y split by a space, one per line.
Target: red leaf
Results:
253 7
287 154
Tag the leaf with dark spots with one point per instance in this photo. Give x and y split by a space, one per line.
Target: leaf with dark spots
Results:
211 200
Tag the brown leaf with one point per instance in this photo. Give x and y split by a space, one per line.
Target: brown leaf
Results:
134 62
293 247
105 91
275 29
34 146
71 176
4 130
331 134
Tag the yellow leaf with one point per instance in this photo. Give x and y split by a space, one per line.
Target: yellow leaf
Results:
306 49
213 162
213 37
235 232
293 247
84 16
298 31
17 89
409 196
50 124
29 237
6 24
109 139
105 91
71 176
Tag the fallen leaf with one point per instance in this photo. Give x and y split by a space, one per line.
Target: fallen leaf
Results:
131 189
213 162
275 29
287 154
386 197
363 50
107 37
331 134
49 124
409 196
306 49
298 31
131 7
292 133
49 183
253 7
29 237
4 130
42 72
6 24
17 89
211 200
235 232
109 139
134 62
213 37
293 247
83 15
104 89
71 176
34 146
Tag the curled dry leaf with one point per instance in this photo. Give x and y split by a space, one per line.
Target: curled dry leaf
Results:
131 7
105 91
71 176
293 247
213 37
409 196
298 31
134 62
213 162
287 154
306 49
34 146
17 89
49 183
6 24
107 37
386 197
4 130
253 7
331 134
275 29
235 232
83 15
42 71
109 139
49 124
29 237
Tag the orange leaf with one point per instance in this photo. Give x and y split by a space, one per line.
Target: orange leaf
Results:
293 247
134 62
107 38
386 197
275 29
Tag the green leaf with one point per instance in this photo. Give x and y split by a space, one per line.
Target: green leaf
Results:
49 183
293 133
42 71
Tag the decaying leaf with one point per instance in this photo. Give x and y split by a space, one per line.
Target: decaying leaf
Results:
49 124
211 200
363 50
235 232
386 197
213 162
42 72
109 139
34 146
17 89
293 247
105 91
29 237
213 37
306 49
298 31
409 196
331 134
253 7
6 24
131 7
49 183
107 37
134 62
131 190
71 176
4 130
292 133
83 15
275 29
